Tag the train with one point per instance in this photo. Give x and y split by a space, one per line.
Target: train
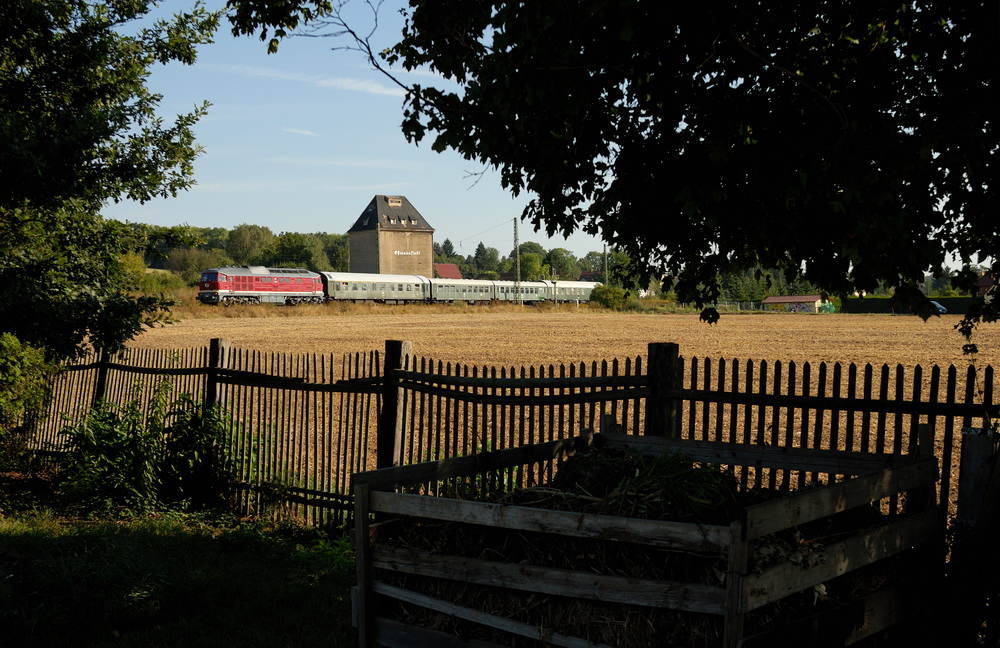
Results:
229 285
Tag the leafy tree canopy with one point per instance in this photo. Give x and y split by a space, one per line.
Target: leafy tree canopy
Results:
245 243
563 264
486 259
532 268
853 142
292 249
338 250
79 128
529 247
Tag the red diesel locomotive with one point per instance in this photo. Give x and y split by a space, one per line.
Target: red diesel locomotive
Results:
257 284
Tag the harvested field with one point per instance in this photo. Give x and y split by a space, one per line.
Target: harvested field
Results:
526 336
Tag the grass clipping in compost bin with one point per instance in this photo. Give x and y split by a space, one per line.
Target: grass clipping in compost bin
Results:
619 483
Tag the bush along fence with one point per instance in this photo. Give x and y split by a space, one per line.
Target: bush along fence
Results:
301 424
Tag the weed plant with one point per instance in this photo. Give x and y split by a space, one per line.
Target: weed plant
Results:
147 457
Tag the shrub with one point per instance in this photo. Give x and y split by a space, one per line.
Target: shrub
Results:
161 281
143 457
24 379
194 460
24 388
609 296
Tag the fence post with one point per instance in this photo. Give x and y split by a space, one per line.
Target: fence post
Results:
389 445
218 359
101 384
662 410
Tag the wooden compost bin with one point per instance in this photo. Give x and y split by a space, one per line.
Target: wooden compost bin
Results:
854 480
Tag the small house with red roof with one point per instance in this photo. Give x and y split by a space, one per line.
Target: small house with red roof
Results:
794 303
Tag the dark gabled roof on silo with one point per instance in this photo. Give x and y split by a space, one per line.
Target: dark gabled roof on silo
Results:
391 213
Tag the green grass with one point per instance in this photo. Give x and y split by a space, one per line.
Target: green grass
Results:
171 580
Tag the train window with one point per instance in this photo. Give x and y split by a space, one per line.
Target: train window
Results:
409 287
354 286
364 286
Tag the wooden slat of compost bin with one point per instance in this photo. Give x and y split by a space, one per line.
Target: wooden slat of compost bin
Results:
868 614
690 597
804 506
393 634
484 618
362 548
860 550
429 471
677 535
740 454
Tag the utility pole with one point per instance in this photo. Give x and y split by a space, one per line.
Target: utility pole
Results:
517 266
606 282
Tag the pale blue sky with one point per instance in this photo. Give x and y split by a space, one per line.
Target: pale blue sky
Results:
301 140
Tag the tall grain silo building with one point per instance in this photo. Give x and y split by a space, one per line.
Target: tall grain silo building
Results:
391 237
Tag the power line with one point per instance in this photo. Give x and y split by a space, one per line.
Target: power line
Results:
501 224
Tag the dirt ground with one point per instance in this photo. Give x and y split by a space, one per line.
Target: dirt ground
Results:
526 336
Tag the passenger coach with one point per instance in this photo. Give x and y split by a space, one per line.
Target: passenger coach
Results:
387 289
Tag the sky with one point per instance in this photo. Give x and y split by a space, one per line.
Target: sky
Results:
301 140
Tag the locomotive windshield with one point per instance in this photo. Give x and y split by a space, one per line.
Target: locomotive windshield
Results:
209 276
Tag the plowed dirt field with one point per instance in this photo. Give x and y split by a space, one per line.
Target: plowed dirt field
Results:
519 337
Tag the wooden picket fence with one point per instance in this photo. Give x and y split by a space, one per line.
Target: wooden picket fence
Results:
302 424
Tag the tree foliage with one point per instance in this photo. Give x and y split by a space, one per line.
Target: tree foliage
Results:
189 263
486 259
292 249
24 383
853 143
563 264
338 250
245 243
79 128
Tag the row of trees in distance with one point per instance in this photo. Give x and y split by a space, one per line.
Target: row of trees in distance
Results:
249 244
320 251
